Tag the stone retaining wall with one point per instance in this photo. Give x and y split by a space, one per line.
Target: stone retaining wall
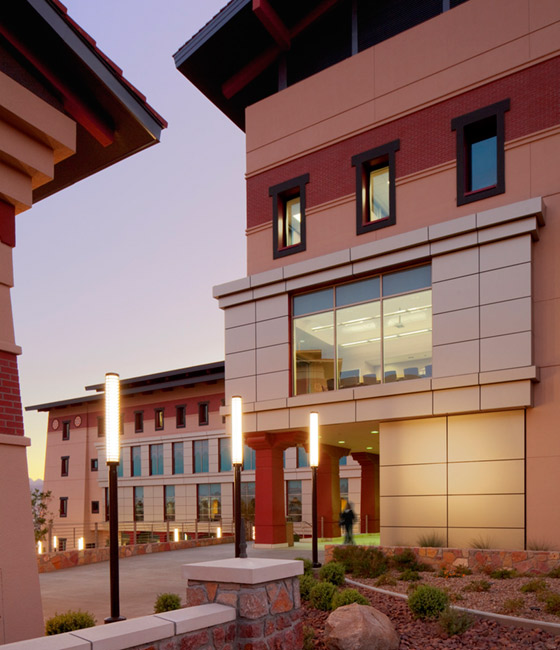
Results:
47 562
535 562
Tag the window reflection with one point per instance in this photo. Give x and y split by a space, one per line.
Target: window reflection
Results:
358 331
379 193
314 353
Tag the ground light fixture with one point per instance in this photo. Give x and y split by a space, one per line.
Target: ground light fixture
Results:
112 432
314 463
237 462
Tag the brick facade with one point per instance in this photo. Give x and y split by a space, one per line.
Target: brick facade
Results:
11 416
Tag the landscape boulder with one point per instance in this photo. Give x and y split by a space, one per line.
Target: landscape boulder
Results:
360 627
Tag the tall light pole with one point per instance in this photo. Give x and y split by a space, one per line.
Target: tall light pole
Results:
112 431
314 462
237 462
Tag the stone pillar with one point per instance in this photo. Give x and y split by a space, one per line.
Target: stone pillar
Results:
264 593
270 507
328 489
369 491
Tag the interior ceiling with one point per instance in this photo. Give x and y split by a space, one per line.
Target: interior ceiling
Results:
357 436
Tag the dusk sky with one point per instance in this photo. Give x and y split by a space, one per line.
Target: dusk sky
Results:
116 272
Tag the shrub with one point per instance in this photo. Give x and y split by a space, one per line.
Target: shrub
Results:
405 560
427 602
454 572
361 561
69 621
321 596
385 579
538 545
308 637
306 584
503 574
454 622
481 542
536 585
478 586
332 572
409 575
433 540
554 573
307 564
166 603
513 605
296 537
347 597
552 603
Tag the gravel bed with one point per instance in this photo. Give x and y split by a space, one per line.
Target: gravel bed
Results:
483 635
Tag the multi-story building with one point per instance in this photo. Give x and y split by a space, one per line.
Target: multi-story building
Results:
402 276
66 112
175 472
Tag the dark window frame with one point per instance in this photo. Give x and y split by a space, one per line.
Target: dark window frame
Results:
138 421
153 458
66 429
206 455
459 124
157 412
280 194
132 452
203 421
365 162
64 465
180 416
100 426
166 516
95 507
174 457
137 515
63 507
94 464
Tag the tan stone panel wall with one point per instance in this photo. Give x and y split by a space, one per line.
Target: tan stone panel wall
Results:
404 480
408 536
489 477
414 511
412 442
457 400
487 511
511 538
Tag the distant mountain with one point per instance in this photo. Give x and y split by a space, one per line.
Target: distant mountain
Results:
35 484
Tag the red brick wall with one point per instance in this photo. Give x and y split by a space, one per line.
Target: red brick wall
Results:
425 137
11 415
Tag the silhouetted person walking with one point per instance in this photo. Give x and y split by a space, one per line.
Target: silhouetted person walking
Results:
347 520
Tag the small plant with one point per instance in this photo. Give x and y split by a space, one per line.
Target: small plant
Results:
69 621
361 561
454 622
307 564
538 545
432 540
332 572
347 597
455 598
166 603
405 560
321 596
308 637
513 605
409 575
427 602
554 573
481 542
385 579
306 583
552 603
503 574
478 586
534 586
454 572
296 537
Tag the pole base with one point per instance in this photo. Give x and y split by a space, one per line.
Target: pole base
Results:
115 619
317 565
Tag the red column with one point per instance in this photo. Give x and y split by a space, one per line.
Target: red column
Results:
369 491
328 490
270 509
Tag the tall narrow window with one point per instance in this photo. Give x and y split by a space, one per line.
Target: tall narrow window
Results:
63 507
203 413
249 458
100 426
200 456
156 460
225 454
343 493
66 430
158 416
135 461
95 507
178 458
248 501
169 502
375 187
288 216
293 495
138 495
302 459
210 502
138 421
480 152
180 416
94 464
64 465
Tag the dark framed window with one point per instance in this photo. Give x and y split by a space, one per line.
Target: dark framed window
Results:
249 458
63 507
94 464
178 458
106 504
480 152
95 507
138 494
181 416
66 430
209 502
375 187
343 460
223 403
138 421
156 460
120 466
159 419
200 456
248 501
135 461
293 497
225 454
100 426
169 502
64 465
203 413
62 543
288 216
302 457
343 492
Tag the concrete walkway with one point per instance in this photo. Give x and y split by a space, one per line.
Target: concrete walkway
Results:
142 578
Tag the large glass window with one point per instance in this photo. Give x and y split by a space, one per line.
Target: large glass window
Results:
135 461
209 502
169 502
343 493
138 503
249 458
302 457
200 455
156 460
293 505
225 454
178 458
365 332
248 500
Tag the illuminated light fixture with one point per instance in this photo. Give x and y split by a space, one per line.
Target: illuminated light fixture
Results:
54 541
375 431
369 447
219 532
341 442
175 534
39 547
81 544
112 416
347 345
356 320
314 462
253 533
394 313
236 431
314 439
322 327
414 332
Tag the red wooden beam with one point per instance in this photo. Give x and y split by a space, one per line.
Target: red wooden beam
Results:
272 23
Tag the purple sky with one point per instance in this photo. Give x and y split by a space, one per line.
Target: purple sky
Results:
116 272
